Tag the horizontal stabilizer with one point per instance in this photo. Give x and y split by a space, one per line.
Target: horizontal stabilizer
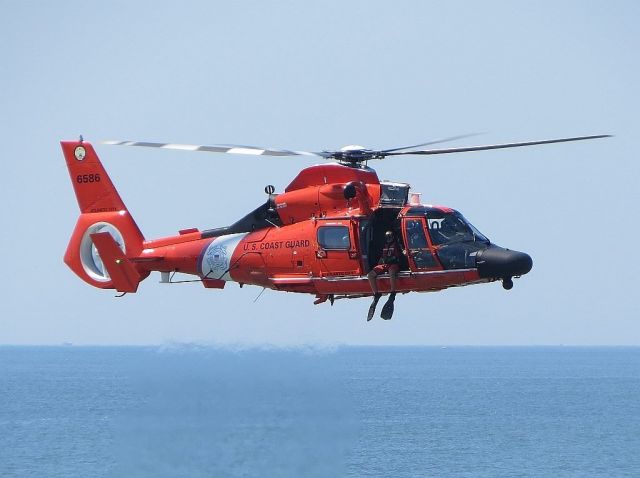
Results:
124 275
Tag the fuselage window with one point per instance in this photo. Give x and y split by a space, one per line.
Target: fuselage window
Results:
334 237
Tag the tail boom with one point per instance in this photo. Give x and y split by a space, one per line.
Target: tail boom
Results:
107 249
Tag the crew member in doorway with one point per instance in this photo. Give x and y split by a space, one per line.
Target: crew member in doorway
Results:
390 263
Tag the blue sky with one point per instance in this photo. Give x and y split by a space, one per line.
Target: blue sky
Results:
316 76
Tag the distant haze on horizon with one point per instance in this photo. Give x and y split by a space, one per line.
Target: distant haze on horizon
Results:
312 77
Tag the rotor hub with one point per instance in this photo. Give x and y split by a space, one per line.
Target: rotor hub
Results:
353 147
353 154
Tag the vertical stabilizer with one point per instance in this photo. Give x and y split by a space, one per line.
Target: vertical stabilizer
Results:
101 211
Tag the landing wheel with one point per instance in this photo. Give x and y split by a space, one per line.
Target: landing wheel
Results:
507 283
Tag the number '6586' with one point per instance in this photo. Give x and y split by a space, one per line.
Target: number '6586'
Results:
88 178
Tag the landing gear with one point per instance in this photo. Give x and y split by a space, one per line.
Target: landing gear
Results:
321 298
507 283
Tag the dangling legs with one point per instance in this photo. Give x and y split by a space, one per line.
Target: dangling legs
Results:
393 274
376 295
372 275
372 307
387 310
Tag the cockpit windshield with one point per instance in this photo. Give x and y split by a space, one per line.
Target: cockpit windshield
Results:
451 228
455 239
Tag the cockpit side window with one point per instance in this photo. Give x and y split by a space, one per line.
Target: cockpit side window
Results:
420 255
415 234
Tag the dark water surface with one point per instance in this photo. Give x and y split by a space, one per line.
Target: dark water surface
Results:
398 412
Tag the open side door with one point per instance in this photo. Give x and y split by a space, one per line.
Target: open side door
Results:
365 238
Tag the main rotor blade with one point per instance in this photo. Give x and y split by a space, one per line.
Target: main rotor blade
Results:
219 148
443 140
497 146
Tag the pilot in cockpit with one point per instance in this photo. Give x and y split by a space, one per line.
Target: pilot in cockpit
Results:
446 230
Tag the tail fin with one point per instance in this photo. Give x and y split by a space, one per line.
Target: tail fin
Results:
124 275
101 211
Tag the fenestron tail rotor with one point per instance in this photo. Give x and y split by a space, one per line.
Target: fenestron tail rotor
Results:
351 155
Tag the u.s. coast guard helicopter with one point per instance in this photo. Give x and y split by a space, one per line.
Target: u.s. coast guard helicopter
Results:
324 235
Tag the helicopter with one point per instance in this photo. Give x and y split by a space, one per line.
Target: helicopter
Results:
323 235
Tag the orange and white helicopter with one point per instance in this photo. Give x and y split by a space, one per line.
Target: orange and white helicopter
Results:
322 235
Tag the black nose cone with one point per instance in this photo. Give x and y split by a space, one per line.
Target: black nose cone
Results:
496 262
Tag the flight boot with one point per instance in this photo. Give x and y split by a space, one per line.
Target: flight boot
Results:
387 310
372 307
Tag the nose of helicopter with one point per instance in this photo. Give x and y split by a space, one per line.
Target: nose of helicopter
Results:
499 263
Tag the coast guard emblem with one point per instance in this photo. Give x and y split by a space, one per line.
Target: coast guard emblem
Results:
217 259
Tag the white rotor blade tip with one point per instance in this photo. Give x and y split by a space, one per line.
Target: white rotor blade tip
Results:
246 151
183 147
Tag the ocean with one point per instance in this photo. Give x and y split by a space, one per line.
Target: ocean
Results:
192 411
